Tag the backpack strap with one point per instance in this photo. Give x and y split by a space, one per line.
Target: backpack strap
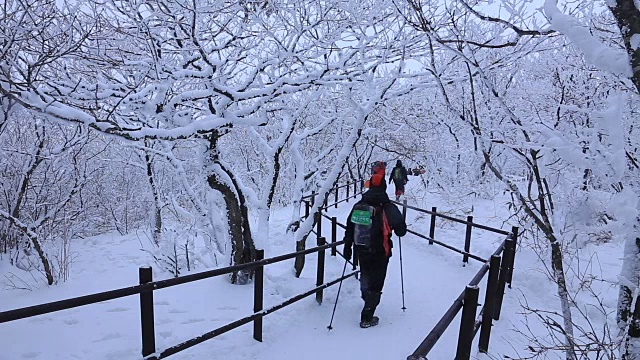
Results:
386 234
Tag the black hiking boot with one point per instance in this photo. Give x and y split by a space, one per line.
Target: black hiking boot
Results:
373 322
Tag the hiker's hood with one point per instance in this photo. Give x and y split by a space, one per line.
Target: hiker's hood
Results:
375 197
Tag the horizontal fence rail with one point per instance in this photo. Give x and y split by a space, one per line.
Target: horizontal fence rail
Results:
454 219
452 248
221 330
335 189
30 311
338 224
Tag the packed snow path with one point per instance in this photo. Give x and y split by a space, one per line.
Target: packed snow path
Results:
433 277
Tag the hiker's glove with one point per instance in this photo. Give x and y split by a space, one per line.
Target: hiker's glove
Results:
347 253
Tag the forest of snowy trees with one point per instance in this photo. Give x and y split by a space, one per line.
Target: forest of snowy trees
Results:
194 119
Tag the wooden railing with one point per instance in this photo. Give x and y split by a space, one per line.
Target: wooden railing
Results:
500 270
146 288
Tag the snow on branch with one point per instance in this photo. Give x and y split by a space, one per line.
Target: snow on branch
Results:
604 57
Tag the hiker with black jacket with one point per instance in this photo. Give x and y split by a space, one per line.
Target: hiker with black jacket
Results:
399 177
369 227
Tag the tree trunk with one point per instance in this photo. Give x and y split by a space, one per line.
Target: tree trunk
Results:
33 237
241 242
242 247
628 320
541 219
628 18
299 262
43 258
565 302
15 213
157 220
276 175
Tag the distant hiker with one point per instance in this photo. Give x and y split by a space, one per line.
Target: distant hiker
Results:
399 177
369 229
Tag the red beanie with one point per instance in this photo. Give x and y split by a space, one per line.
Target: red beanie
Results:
379 168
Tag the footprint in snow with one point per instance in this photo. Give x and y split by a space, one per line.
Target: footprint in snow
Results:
165 334
192 321
161 302
40 319
71 321
31 355
109 336
222 319
164 321
176 311
118 309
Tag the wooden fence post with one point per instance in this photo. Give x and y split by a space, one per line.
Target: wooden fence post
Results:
514 231
502 278
313 197
467 240
307 209
319 223
258 296
347 198
337 190
334 235
320 271
145 276
404 210
467 323
432 226
489 303
355 187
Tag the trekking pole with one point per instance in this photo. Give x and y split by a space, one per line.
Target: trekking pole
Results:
404 218
337 296
401 273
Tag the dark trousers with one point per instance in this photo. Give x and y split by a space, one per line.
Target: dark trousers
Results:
399 186
373 270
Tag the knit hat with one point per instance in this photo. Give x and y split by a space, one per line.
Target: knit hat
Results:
379 168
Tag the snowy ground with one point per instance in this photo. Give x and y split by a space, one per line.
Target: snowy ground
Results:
433 276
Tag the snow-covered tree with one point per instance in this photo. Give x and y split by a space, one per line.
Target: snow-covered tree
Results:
209 71
626 64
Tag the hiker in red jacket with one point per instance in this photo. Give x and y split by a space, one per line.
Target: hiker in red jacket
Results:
399 177
369 229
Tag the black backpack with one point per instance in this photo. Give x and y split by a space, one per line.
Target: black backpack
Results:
397 174
370 229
